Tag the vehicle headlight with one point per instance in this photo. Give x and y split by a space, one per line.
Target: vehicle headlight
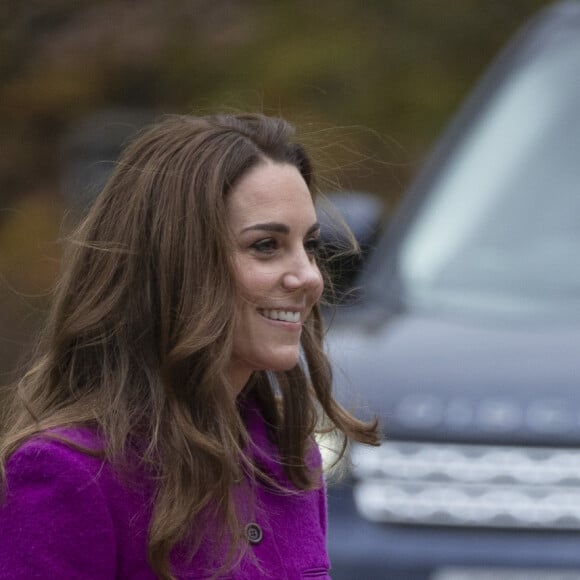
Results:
468 485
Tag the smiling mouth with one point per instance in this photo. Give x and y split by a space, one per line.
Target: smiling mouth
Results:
282 315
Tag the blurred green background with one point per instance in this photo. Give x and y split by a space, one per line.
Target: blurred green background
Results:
369 84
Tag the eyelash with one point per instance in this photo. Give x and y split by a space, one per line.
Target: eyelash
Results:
313 246
270 245
265 246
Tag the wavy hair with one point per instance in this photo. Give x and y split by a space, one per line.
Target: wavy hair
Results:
139 337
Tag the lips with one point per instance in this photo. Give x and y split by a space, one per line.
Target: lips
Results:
282 315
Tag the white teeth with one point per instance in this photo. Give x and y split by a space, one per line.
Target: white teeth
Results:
284 315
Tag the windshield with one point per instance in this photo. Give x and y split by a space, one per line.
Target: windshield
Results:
500 231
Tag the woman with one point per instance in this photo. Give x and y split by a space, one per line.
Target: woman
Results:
166 428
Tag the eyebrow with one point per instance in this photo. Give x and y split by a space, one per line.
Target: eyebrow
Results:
278 228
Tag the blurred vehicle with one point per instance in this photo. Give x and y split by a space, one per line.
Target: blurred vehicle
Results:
466 341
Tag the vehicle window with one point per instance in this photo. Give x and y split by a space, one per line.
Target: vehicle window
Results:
500 231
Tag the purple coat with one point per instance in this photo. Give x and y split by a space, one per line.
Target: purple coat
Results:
68 516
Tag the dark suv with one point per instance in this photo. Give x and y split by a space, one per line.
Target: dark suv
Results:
466 342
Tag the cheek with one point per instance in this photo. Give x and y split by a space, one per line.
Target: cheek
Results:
253 283
318 287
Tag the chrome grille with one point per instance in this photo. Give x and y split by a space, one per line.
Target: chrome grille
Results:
468 485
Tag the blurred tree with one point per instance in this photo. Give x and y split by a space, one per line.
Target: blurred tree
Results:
387 73
397 67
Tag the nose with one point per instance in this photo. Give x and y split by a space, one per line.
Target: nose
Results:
303 273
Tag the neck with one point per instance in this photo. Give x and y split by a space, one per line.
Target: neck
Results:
239 376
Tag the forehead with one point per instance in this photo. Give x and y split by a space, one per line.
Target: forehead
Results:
271 191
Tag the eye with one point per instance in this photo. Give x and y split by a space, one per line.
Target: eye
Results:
265 246
312 246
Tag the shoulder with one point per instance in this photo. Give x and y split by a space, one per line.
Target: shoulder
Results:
69 464
68 454
49 478
54 515
66 512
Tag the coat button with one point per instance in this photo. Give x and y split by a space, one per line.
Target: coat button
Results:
254 533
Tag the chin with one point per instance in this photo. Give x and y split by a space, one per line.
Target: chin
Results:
285 363
283 367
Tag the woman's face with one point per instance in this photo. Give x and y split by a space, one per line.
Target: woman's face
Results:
276 237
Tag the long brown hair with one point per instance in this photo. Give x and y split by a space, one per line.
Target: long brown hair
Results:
139 337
